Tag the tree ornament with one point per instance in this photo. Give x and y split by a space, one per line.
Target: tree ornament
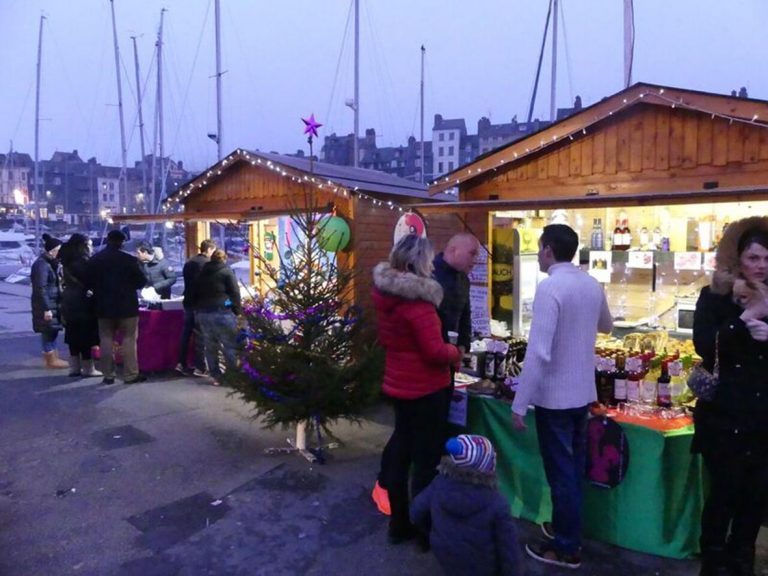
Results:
334 233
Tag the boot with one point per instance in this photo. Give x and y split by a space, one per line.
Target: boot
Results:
52 360
89 368
74 366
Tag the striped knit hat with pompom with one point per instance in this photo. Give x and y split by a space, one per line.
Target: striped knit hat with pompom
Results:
472 451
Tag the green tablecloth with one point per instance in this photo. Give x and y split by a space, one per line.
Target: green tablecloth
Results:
656 508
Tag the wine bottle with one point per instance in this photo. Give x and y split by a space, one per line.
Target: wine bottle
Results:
663 387
620 381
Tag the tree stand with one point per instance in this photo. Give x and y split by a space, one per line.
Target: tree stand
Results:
313 454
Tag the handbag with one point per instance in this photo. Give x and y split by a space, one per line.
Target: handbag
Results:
702 382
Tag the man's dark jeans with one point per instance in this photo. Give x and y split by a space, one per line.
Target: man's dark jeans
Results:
190 327
563 445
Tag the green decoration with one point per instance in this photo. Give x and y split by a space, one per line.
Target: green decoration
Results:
334 233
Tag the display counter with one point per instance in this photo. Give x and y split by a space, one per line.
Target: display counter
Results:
655 509
159 340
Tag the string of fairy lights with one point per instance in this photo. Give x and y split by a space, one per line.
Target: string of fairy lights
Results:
295 175
337 189
582 131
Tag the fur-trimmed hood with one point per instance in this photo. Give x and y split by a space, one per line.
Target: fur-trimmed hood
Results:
727 267
406 284
465 474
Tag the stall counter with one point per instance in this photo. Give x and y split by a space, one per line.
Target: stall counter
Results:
656 508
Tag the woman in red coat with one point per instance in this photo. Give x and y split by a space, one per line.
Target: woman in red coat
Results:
416 375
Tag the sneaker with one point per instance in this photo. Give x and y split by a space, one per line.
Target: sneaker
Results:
546 553
548 530
199 373
181 369
136 379
108 381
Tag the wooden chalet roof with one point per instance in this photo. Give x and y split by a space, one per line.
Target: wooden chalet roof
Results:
240 185
645 143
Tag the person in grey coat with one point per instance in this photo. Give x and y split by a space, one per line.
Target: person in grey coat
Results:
159 272
472 531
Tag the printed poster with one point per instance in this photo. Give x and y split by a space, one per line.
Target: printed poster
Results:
642 259
709 261
687 260
478 304
600 265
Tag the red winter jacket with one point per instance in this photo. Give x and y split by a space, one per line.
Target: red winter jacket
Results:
417 359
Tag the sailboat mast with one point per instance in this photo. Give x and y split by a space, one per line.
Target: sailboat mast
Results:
629 41
219 139
37 136
158 128
357 83
123 150
423 163
553 87
141 117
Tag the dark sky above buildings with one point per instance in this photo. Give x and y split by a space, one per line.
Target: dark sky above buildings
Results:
286 59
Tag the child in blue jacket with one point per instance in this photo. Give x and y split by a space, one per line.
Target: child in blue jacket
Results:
472 531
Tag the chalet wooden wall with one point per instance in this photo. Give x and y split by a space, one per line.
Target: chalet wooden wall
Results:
372 237
644 149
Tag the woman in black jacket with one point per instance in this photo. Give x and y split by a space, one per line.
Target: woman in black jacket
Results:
218 305
77 307
732 429
46 298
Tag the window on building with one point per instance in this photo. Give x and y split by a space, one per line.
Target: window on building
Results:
57 181
450 166
451 135
450 150
104 197
441 136
111 185
439 166
440 151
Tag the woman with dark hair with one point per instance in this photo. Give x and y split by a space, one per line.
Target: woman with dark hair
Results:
81 326
417 374
46 298
730 331
218 305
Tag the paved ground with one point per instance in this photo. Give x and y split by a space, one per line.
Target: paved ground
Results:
170 477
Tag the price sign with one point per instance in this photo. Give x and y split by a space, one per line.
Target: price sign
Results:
687 260
640 259
478 304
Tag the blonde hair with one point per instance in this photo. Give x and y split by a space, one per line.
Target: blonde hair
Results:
413 254
219 255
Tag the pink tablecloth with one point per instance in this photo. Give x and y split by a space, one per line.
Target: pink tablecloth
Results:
160 339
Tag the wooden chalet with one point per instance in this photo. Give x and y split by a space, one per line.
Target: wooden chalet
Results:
257 187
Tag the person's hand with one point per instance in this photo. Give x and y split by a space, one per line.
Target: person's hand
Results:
47 315
757 329
518 422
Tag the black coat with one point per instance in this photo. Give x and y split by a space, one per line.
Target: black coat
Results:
740 405
46 293
115 276
454 310
76 304
215 285
191 271
160 275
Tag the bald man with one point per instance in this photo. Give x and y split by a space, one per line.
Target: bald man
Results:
452 267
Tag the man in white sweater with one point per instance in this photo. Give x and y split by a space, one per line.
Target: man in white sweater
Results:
558 379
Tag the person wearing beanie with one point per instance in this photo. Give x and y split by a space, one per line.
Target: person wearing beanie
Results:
46 299
471 530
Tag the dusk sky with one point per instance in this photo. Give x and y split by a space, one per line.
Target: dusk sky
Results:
289 58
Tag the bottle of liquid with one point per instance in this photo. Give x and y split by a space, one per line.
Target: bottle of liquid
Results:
663 387
677 383
656 239
645 238
597 235
634 377
627 233
648 386
617 239
620 381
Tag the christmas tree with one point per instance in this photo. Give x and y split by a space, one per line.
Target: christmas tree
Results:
308 355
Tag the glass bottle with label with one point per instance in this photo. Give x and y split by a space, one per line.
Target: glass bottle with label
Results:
663 387
620 381
634 377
